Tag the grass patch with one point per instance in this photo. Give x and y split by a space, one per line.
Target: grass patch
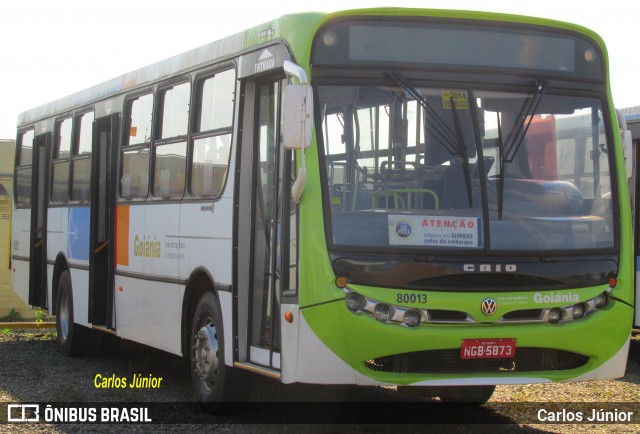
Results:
12 316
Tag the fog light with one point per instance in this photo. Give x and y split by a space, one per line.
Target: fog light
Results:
555 315
601 300
578 311
411 318
355 302
382 312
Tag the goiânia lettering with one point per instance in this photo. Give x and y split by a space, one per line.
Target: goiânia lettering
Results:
146 248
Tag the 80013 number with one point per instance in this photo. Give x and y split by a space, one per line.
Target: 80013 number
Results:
404 297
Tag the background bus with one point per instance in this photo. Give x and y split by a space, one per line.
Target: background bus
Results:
460 222
631 116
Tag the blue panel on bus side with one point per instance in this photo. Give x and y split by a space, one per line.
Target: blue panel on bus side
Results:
78 230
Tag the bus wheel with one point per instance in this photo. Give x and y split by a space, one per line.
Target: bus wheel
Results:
469 394
72 337
214 382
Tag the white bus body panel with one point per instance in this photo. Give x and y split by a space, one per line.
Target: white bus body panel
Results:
57 243
226 304
164 244
80 291
314 361
143 232
57 232
21 238
205 238
50 299
149 312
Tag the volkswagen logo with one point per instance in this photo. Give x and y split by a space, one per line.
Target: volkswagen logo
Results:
489 306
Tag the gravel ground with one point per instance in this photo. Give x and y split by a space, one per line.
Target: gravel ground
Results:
32 370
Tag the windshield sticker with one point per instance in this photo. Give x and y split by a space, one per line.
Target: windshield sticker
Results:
459 97
435 231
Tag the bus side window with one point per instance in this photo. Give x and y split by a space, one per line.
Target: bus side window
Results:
61 154
134 176
212 141
170 150
81 160
24 168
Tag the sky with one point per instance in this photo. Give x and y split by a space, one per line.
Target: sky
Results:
52 48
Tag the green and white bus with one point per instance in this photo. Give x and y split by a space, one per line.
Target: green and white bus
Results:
390 196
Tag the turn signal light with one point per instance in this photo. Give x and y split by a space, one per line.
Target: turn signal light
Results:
341 281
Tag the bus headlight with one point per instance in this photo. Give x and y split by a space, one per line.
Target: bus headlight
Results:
411 318
555 315
355 302
577 311
601 300
382 312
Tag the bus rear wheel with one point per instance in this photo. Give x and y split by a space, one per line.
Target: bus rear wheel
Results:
72 338
214 382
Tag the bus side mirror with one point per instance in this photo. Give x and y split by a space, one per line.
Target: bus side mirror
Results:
627 143
297 118
628 152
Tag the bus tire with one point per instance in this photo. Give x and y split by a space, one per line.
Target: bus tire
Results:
468 394
215 383
72 338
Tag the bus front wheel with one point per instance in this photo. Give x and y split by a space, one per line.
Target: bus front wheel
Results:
215 383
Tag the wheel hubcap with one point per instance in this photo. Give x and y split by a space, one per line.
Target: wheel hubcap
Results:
206 353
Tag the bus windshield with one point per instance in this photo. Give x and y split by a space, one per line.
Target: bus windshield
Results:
433 169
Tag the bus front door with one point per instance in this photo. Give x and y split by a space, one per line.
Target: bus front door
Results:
264 228
38 245
101 268
264 336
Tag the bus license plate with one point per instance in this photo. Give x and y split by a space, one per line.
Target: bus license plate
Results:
501 348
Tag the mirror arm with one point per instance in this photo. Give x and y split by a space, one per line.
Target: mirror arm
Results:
627 143
293 70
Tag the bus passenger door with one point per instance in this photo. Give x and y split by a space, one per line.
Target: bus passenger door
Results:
101 251
264 266
38 246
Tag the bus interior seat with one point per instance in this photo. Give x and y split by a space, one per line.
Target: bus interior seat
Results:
539 198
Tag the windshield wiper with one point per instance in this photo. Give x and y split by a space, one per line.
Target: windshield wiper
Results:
510 147
463 151
447 138
452 141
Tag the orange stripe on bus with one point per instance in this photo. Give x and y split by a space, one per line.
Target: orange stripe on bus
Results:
122 235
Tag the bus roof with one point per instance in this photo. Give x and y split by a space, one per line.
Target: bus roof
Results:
631 114
296 29
207 54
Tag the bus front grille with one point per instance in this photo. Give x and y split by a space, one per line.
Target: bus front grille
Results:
449 362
